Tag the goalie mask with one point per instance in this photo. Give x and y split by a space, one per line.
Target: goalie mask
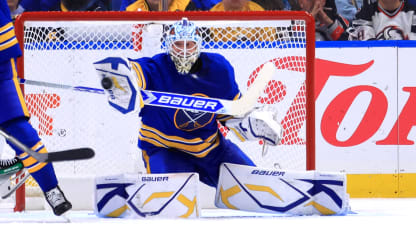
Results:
183 44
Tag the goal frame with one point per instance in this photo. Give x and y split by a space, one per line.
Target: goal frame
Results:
193 16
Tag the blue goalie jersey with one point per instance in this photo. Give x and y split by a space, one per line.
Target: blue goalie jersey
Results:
195 133
9 47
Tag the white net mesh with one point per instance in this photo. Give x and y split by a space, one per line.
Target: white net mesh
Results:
63 52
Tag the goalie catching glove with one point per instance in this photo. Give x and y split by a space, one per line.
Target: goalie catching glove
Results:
258 124
119 83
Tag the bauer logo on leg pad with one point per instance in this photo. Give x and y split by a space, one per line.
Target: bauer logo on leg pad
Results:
291 192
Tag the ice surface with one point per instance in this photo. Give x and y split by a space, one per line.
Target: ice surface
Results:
372 216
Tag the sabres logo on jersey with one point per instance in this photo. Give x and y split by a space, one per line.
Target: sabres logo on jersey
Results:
187 120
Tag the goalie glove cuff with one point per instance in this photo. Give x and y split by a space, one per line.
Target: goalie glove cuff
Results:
257 125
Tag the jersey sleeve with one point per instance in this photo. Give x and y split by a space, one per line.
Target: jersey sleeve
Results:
9 47
143 67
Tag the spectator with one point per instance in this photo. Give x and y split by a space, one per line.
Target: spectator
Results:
85 5
57 5
330 26
152 5
273 5
237 5
348 8
35 5
13 4
201 5
384 20
292 5
241 33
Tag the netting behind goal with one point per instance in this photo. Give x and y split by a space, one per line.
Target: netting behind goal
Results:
61 47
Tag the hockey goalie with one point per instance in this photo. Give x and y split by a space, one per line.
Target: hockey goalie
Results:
181 146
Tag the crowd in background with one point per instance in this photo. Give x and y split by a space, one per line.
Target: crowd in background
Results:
335 19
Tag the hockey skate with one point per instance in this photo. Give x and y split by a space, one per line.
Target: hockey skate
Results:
12 176
57 201
10 166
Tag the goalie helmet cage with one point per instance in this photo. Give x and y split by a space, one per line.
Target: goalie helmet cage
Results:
60 47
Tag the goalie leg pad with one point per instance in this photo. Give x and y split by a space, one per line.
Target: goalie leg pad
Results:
173 195
277 191
111 195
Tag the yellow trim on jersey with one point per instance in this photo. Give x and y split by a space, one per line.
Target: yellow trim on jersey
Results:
37 167
18 90
153 142
197 140
146 159
30 162
212 137
199 151
6 27
7 36
8 44
7 33
141 81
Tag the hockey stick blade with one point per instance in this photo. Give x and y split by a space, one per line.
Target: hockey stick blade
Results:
65 155
69 155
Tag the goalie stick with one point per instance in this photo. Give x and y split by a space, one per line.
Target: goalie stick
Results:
65 155
238 107
61 86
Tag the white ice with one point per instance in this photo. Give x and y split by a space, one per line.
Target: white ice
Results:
370 216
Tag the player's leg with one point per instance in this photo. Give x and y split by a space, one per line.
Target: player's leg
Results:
208 167
167 161
13 119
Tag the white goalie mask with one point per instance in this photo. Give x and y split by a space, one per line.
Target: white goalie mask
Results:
183 44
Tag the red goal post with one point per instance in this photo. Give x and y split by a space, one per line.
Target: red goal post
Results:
59 47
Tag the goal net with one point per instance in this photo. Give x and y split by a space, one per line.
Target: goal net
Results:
60 48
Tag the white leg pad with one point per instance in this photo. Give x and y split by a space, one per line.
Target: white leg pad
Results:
111 195
280 191
149 196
